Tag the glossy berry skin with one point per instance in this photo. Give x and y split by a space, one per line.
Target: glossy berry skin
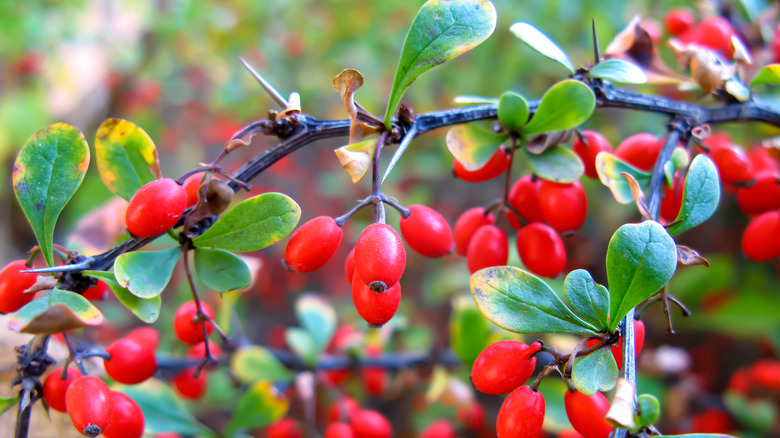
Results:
678 21
497 165
564 206
128 418
587 150
471 417
13 283
521 415
524 198
639 342
441 428
375 308
145 335
640 150
155 208
586 414
426 231
503 366
715 33
374 380
284 428
55 387
672 200
187 330
312 244
762 161
339 430
467 224
761 238
89 404
380 256
191 187
349 265
367 423
131 361
342 410
541 250
733 164
189 386
489 247
763 196
96 292
198 351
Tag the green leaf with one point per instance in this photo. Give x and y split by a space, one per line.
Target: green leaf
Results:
564 106
759 415
126 157
55 312
260 406
47 172
469 332
595 372
163 410
220 270
641 259
618 70
442 30
146 309
588 299
472 145
557 163
609 167
769 74
521 302
6 403
512 111
302 343
253 224
146 273
539 41
318 317
254 363
701 195
648 410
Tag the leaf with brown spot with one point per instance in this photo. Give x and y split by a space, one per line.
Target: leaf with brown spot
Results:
689 256
126 157
55 312
638 195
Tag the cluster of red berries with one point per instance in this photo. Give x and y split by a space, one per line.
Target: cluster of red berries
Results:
192 383
93 408
713 32
763 377
345 420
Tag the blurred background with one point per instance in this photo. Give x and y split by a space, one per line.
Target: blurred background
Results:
171 67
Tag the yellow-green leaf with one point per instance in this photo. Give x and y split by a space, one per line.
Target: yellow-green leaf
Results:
472 145
261 405
55 312
126 157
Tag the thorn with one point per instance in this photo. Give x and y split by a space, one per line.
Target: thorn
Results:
596 51
275 95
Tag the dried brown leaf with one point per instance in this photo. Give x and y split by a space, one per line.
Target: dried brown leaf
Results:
541 142
639 196
634 44
621 413
356 158
689 256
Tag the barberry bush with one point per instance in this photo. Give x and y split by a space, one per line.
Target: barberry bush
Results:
571 228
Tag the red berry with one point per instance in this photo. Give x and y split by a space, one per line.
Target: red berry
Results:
673 198
762 160
715 33
198 351
131 361
467 224
740 381
189 386
593 143
640 150
339 430
284 428
563 206
713 420
145 335
192 187
678 21
524 198
367 423
762 196
312 244
426 231
128 418
732 163
96 292
374 380
497 164
521 415
13 283
471 417
55 387
489 247
380 257
639 342
586 414
349 265
89 404
187 330
541 250
342 410
441 428
155 208
765 374
503 366
761 239
375 308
